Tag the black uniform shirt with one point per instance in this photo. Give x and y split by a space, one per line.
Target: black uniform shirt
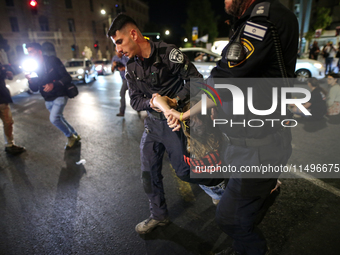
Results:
318 106
261 62
53 71
167 79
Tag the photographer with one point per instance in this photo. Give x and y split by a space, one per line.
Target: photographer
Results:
119 62
51 81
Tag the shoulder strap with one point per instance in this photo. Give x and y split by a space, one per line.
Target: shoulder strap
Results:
261 10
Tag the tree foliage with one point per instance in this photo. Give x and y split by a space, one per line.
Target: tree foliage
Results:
202 16
323 20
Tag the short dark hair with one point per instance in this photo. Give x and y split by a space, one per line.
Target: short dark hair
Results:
119 22
34 45
334 75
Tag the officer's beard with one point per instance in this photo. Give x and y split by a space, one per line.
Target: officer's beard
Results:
237 7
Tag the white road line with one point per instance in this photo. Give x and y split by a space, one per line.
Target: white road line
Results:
319 183
29 103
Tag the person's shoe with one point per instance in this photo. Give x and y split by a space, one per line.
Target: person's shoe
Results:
14 149
149 224
72 140
120 114
215 201
78 138
228 251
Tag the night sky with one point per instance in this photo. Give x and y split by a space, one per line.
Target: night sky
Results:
173 15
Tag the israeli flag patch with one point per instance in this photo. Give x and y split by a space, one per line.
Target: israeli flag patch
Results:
255 31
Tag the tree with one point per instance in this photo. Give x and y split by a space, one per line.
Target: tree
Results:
202 16
323 20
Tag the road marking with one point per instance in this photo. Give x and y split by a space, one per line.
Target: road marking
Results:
319 183
29 103
183 187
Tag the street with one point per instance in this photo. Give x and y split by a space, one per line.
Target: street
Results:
87 200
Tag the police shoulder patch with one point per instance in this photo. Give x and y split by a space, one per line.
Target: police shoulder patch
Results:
176 56
255 31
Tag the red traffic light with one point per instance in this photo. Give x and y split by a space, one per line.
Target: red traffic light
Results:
33 3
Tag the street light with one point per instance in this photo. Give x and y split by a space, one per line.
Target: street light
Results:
167 32
185 39
103 12
158 37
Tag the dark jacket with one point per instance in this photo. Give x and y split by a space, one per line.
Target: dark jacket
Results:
51 71
5 96
167 79
261 62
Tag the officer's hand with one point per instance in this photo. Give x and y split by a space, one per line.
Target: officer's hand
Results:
171 102
173 113
151 102
9 75
174 123
122 68
48 87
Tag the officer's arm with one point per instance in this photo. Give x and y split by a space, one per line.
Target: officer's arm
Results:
65 76
138 101
180 64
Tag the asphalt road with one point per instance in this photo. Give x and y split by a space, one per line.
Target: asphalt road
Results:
51 205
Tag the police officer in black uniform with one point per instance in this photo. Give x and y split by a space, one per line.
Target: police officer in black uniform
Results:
268 33
155 68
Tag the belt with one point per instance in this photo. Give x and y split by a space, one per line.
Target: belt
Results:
249 142
156 115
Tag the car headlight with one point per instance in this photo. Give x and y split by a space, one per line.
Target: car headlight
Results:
318 65
80 71
98 68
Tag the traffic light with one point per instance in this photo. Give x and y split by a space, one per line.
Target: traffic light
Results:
34 7
96 46
73 47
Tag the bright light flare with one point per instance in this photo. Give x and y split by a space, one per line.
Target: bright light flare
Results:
103 12
30 65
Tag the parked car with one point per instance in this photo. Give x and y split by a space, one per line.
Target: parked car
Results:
103 66
81 70
306 68
19 83
203 59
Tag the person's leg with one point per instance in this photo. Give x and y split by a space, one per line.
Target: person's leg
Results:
151 155
123 90
56 108
6 117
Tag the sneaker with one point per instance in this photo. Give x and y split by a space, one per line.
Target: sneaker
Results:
228 251
72 140
120 114
14 149
147 225
215 201
78 138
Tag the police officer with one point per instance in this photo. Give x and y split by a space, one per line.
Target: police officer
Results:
268 33
154 68
51 81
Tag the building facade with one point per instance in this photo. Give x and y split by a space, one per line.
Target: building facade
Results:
65 27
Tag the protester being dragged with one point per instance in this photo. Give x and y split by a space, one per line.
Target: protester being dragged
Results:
333 99
317 104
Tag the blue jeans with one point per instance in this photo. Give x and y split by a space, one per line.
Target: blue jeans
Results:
56 108
215 192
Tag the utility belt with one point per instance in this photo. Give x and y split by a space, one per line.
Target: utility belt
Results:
156 115
254 142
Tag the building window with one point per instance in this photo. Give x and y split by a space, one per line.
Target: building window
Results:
46 2
94 27
9 3
43 22
14 24
71 26
68 4
91 5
